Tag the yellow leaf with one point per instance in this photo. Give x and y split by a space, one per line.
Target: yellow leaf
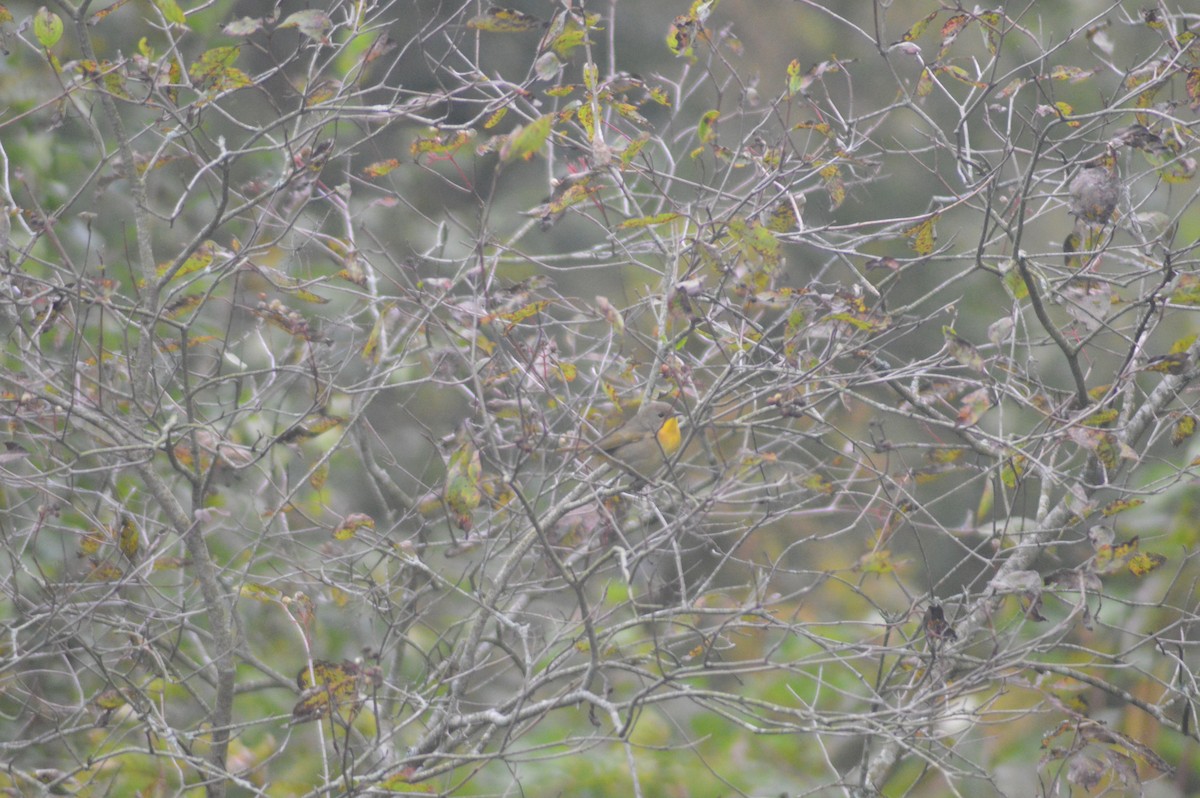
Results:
921 236
261 593
1121 505
351 524
1184 428
875 562
128 540
649 221
380 168
504 20
1144 562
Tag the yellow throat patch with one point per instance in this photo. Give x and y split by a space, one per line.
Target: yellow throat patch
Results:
669 437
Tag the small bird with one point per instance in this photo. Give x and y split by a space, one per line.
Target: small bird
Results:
643 444
1095 190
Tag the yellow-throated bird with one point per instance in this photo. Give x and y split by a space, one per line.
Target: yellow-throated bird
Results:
642 444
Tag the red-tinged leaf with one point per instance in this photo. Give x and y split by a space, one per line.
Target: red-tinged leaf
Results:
380 168
973 407
961 75
887 262
313 23
1193 89
953 26
706 131
1011 88
682 34
504 20
382 45
950 30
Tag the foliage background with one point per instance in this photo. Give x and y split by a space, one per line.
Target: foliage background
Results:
298 497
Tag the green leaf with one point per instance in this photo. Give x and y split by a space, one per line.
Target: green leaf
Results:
1183 344
1012 471
707 129
918 27
214 70
462 491
1014 284
504 20
47 27
171 11
526 141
